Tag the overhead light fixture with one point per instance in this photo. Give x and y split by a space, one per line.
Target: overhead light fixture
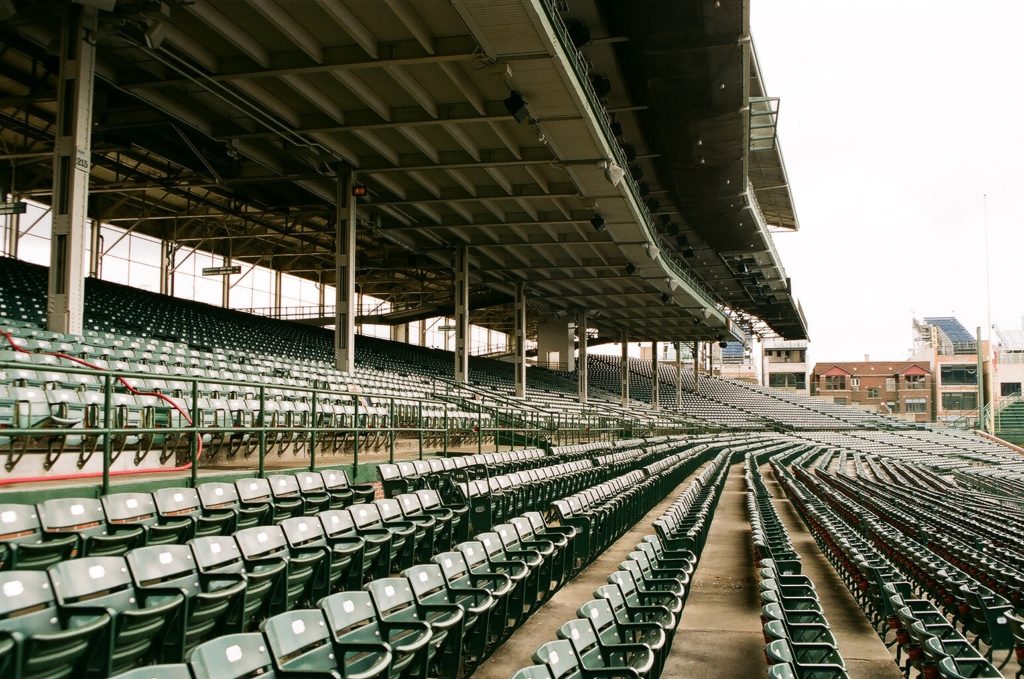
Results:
516 106
359 190
682 241
653 204
696 321
688 253
665 298
612 172
617 129
672 230
630 269
723 343
597 221
578 33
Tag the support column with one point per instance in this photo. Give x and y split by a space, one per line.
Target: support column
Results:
655 382
321 291
276 300
167 251
225 284
345 273
400 333
520 339
13 232
95 249
423 333
696 366
624 369
581 337
462 314
71 161
679 375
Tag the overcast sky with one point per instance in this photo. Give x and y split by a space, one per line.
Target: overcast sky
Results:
896 117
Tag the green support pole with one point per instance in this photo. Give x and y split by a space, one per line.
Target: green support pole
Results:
312 435
355 441
263 432
391 430
108 443
445 430
419 425
194 439
479 428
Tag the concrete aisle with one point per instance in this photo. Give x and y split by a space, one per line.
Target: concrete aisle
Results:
720 634
865 654
543 625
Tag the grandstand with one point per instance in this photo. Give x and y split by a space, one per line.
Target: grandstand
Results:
200 484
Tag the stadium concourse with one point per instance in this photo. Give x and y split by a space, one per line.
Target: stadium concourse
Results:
206 475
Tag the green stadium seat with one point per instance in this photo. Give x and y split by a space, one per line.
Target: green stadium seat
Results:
24 545
337 481
139 509
233 656
369 524
442 527
396 606
809 661
175 503
627 614
213 604
37 638
432 503
610 631
420 545
219 555
460 578
85 518
635 595
370 549
370 648
533 672
141 621
518 603
305 569
177 671
314 492
217 497
625 660
560 659
343 556
337 486
302 645
967 668
256 492
288 493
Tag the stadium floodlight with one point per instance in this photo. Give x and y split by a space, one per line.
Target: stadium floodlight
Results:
688 253
630 269
515 104
597 221
665 298
723 343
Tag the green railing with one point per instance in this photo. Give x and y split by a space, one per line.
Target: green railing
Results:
369 418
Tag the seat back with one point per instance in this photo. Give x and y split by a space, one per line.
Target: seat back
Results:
232 656
177 501
335 479
559 658
310 483
284 485
350 616
130 508
254 491
393 599
261 542
303 531
82 515
164 565
427 582
98 580
300 641
337 523
217 554
367 516
27 605
216 495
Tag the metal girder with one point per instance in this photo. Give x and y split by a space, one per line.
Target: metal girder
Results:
483 193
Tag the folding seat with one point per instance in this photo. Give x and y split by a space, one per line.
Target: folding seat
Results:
139 509
634 594
370 548
219 497
535 585
551 568
213 603
174 671
140 620
563 537
523 596
461 578
965 668
220 556
314 492
37 639
399 555
288 493
561 661
337 482
651 574
433 592
343 555
636 612
336 485
611 631
302 644
233 656
424 527
395 602
24 545
377 648
85 518
176 503
533 672
988 613
257 492
305 569
442 530
630 659
816 661
392 481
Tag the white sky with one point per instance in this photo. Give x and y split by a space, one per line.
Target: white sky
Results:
896 117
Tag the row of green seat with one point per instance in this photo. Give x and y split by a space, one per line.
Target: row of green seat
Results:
37 536
923 632
628 628
442 472
799 643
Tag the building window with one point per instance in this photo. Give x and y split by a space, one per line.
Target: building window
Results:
915 405
786 380
855 383
959 374
835 383
1009 389
890 384
874 392
840 400
914 381
959 400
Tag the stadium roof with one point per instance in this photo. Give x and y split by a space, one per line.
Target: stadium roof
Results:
953 329
221 126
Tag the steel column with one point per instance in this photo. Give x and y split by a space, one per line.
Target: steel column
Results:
95 249
462 314
655 382
679 375
71 161
520 339
696 367
581 337
345 274
167 250
624 369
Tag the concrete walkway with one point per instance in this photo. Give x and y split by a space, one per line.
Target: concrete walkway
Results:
865 655
542 626
720 634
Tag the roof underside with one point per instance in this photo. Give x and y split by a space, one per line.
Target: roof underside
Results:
227 133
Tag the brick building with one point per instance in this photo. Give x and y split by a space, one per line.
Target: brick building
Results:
893 387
